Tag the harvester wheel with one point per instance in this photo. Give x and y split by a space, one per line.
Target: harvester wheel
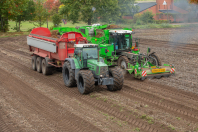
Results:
68 75
46 70
85 81
118 79
158 61
34 62
123 62
39 64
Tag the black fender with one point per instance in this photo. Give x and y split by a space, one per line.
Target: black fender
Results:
152 53
71 61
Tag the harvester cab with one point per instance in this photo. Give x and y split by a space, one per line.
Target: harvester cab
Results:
87 69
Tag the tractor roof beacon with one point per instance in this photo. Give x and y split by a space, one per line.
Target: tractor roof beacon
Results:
87 69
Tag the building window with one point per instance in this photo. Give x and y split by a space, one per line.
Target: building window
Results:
164 6
159 6
170 6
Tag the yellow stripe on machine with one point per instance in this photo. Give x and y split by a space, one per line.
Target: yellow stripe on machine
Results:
158 70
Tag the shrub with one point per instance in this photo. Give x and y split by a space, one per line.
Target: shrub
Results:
147 17
136 17
56 19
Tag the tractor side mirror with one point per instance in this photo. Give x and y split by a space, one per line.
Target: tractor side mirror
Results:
105 50
149 50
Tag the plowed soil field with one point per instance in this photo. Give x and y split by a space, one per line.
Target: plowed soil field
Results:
32 102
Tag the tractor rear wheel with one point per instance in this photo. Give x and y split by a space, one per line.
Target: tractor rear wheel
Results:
39 64
46 70
123 62
118 79
34 62
85 81
68 75
156 61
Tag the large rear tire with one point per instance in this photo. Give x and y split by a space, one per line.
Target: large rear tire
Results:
68 75
123 62
157 61
39 64
85 81
118 79
34 62
46 70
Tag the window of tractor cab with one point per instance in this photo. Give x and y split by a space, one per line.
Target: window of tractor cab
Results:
121 41
91 53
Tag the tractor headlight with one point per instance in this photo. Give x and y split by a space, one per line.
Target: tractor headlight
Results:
173 65
139 68
101 76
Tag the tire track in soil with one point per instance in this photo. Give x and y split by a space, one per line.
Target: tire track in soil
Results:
37 102
170 91
165 105
52 81
3 126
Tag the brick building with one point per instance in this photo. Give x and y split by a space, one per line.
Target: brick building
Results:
159 10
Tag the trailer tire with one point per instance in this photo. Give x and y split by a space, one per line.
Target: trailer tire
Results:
68 75
46 70
123 62
39 64
118 79
157 59
34 62
85 81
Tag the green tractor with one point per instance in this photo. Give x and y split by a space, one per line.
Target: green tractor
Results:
121 52
87 69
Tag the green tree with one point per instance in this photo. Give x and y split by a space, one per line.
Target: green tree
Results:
28 13
9 9
127 7
41 14
147 17
90 10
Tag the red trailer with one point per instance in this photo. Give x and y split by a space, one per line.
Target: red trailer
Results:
49 52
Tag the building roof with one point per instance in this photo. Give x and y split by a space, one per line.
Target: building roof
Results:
170 11
146 5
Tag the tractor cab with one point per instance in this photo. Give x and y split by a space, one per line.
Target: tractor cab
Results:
121 39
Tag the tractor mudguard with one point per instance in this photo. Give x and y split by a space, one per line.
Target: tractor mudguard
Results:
71 62
151 53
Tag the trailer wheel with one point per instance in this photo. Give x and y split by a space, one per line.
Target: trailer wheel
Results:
34 62
46 70
68 75
118 79
39 64
157 62
85 81
123 62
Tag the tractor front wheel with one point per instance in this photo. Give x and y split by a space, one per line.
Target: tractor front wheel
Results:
68 75
123 62
118 79
85 81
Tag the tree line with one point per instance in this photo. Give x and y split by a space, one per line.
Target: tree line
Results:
39 12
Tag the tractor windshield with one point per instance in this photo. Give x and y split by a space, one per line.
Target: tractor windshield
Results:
90 53
121 41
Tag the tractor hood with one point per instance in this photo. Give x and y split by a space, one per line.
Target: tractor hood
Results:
93 62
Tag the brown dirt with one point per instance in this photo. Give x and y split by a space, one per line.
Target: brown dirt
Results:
113 26
30 101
